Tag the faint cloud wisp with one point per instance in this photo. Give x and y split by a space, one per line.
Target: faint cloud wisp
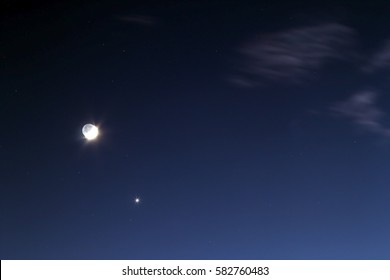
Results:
291 55
380 59
362 110
138 19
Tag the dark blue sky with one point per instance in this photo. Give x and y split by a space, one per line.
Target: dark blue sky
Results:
250 130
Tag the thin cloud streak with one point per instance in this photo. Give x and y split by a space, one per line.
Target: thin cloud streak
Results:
138 19
362 110
380 59
292 55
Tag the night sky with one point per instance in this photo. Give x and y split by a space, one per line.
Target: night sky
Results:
247 129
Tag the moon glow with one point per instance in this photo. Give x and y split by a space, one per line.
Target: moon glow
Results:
90 131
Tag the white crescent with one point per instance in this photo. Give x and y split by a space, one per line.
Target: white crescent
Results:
90 131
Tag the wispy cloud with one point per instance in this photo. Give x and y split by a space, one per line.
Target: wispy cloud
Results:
293 54
380 59
138 19
362 110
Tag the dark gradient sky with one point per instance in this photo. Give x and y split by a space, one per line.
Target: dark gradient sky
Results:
249 129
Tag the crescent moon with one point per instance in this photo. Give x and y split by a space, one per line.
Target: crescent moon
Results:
90 131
